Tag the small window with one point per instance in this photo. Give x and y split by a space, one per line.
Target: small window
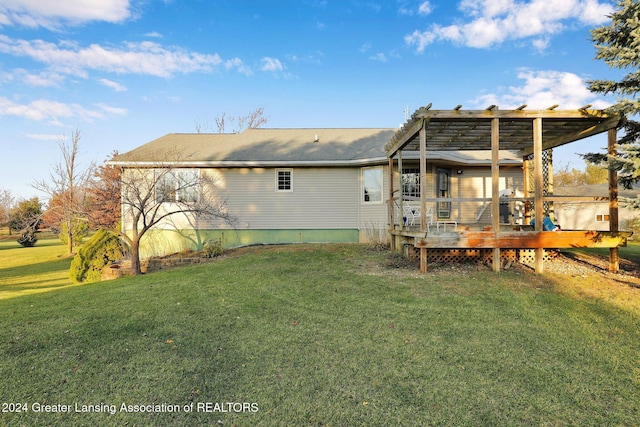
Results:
602 218
284 180
372 185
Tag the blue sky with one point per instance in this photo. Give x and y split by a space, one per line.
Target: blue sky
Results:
124 72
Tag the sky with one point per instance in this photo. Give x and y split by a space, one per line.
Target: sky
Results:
125 72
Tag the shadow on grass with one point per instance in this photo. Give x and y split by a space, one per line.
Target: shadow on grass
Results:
39 277
40 244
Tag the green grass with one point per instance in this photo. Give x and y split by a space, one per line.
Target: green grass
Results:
324 335
42 268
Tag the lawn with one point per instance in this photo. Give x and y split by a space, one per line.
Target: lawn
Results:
320 335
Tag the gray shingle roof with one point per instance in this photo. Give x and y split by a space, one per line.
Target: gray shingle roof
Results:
280 147
267 145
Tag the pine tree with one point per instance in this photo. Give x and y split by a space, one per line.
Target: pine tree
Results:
618 45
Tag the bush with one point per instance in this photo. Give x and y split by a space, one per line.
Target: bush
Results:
102 249
212 249
28 238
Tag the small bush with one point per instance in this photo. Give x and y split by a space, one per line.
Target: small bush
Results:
212 249
28 238
100 250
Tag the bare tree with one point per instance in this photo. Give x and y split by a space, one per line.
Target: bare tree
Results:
7 202
68 183
163 189
253 120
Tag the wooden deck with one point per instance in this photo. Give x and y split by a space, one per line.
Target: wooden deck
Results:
465 239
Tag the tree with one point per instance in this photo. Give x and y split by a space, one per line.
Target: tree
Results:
253 120
25 218
68 184
617 45
6 204
564 176
162 190
104 196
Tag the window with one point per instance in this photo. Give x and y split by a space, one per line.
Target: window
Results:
411 182
284 180
178 185
442 190
372 185
602 218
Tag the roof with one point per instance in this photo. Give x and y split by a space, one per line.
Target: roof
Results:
266 146
456 129
282 147
596 190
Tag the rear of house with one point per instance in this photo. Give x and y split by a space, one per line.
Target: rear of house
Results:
303 185
279 185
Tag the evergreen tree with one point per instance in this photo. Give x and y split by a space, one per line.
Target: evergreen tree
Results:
618 45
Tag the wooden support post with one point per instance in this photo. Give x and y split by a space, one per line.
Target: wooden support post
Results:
423 178
614 253
495 188
392 220
400 195
423 193
423 260
526 175
538 188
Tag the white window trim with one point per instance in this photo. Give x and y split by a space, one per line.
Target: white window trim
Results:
277 181
375 202
173 173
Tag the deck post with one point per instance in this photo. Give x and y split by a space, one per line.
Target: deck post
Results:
538 188
423 192
495 188
392 220
400 194
614 253
526 176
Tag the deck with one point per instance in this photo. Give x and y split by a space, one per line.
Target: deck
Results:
507 238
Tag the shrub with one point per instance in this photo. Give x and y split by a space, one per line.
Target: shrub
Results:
212 249
102 249
27 238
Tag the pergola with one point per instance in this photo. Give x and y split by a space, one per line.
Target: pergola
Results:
527 132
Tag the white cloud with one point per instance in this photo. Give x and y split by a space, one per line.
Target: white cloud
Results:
491 22
425 8
43 137
113 85
144 58
42 79
271 64
410 8
237 64
541 89
112 111
51 14
380 57
53 111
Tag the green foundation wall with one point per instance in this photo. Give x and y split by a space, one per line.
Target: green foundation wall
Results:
163 242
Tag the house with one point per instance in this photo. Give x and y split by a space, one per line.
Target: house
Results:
448 181
588 207
305 185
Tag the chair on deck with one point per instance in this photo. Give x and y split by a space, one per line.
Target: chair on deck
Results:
411 214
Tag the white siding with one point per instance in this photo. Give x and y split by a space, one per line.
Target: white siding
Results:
322 198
